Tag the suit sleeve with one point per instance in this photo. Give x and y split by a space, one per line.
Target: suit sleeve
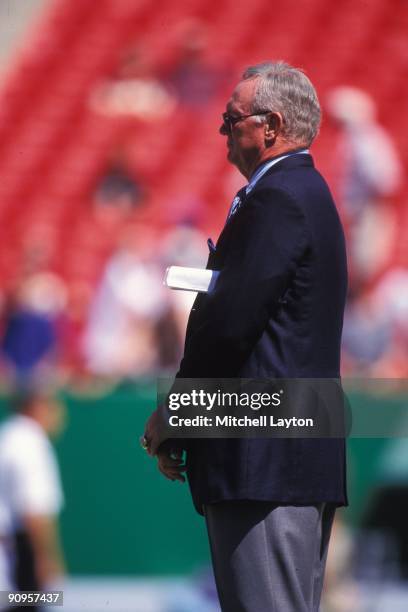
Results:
266 248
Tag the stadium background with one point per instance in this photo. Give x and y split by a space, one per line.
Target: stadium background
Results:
64 129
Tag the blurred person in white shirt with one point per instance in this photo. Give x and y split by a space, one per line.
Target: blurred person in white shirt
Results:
31 495
370 175
119 340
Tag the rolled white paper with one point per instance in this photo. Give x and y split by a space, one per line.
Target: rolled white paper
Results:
190 279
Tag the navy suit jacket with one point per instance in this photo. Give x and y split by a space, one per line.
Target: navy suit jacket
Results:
276 311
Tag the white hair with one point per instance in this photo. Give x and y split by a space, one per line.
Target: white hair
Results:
287 90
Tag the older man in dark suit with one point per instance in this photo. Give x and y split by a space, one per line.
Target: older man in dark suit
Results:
276 311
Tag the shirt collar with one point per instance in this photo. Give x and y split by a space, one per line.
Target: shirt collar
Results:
263 168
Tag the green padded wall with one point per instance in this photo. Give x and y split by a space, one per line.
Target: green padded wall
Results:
121 515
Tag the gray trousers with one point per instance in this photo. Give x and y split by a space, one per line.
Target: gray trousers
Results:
268 558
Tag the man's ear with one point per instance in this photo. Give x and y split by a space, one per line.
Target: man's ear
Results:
273 126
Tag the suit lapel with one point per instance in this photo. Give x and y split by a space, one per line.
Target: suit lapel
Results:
294 161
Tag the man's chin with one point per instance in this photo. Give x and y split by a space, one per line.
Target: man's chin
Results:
230 156
233 159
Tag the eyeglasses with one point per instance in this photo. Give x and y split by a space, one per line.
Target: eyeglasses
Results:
230 120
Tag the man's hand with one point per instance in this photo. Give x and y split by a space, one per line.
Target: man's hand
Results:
169 460
156 430
171 464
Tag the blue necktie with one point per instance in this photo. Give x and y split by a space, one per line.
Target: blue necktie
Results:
236 203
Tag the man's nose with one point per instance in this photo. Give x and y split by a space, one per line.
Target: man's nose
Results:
223 129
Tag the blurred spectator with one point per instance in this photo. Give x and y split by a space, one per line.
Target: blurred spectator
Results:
118 193
29 343
133 91
370 174
367 334
375 335
194 81
182 246
340 593
186 209
30 496
118 188
390 297
70 329
386 514
39 246
119 340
